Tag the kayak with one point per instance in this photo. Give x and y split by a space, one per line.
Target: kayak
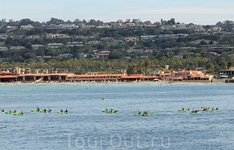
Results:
33 110
108 111
18 114
208 110
185 110
144 115
58 112
214 110
112 112
7 112
194 112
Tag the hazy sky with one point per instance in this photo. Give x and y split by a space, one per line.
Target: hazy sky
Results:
187 11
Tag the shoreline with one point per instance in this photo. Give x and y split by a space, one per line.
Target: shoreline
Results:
110 83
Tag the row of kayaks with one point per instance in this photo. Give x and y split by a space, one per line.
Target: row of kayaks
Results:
136 114
15 113
111 111
198 111
144 115
49 111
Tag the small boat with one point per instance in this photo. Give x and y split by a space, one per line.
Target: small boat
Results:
19 114
103 99
144 115
34 110
207 110
194 112
59 112
7 112
114 112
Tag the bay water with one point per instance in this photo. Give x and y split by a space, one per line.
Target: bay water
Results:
87 127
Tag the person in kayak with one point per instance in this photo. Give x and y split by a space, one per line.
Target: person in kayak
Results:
139 112
2 110
44 110
61 110
216 108
22 112
14 111
182 108
49 110
9 111
38 109
111 110
66 111
145 113
106 109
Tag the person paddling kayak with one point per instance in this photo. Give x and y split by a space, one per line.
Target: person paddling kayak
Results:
66 111
139 112
37 109
22 112
111 110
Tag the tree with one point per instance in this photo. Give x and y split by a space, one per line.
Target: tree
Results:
130 69
115 54
145 63
222 63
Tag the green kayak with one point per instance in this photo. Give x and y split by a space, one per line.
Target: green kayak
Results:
7 112
19 114
112 112
144 115
195 113
208 110
59 112
33 110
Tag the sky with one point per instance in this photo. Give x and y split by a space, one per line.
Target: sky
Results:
203 12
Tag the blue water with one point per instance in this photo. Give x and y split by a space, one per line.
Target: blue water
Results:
86 127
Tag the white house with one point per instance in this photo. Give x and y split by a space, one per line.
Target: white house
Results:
26 27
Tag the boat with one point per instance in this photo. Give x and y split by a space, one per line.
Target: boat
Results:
7 112
207 110
144 115
34 110
194 112
103 99
59 112
214 110
19 114
112 112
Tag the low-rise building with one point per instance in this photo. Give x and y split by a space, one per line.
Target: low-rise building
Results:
26 27
55 45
